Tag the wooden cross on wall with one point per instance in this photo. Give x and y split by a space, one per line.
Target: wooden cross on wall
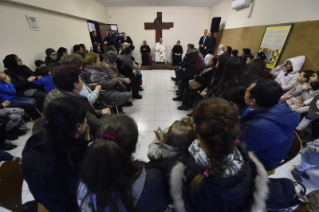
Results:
158 25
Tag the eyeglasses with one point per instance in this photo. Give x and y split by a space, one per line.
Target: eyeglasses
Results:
53 54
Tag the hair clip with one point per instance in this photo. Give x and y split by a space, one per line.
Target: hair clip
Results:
206 174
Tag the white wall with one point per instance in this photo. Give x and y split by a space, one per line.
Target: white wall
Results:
86 9
189 25
266 12
55 31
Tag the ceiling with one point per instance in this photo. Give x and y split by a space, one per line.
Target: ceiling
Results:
172 3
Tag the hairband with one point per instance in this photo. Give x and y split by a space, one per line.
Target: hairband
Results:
206 174
109 135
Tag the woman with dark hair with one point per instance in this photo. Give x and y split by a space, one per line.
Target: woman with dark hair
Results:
216 170
22 79
194 67
84 50
77 49
257 66
113 92
245 54
111 181
287 73
234 75
228 50
61 52
51 159
97 50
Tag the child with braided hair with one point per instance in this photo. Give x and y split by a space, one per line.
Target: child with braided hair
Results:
177 139
215 170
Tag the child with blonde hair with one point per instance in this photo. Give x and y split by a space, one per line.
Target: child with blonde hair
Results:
175 140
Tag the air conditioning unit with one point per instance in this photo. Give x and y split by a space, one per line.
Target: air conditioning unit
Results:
238 4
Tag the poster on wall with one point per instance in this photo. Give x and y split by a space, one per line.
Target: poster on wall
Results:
273 43
33 22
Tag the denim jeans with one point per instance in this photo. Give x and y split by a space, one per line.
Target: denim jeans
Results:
139 79
28 104
4 156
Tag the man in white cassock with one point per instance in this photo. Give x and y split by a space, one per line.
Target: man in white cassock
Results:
160 55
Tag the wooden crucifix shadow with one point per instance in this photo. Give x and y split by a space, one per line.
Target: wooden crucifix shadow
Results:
158 25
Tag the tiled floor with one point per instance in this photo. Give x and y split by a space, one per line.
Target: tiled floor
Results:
157 109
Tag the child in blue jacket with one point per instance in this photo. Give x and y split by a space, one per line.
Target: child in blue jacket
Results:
8 93
45 79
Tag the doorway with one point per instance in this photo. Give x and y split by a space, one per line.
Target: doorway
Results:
101 31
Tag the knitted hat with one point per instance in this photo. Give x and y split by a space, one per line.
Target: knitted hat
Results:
49 51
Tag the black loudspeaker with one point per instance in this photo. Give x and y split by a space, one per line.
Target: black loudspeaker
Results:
215 24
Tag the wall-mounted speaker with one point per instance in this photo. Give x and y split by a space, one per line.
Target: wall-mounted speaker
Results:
215 24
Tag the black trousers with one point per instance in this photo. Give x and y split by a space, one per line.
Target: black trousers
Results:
315 129
189 97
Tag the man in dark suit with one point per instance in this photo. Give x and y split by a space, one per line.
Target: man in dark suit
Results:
126 39
202 41
179 69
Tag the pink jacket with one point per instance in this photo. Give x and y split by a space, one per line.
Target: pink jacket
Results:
287 82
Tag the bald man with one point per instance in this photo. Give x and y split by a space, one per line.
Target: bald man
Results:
160 55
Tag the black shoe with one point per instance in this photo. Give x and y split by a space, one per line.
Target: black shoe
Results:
305 175
190 114
296 174
127 104
141 89
17 131
11 137
174 78
137 97
7 146
183 107
176 83
34 117
177 99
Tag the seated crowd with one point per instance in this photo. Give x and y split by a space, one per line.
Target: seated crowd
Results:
242 127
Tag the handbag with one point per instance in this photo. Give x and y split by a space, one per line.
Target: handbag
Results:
194 85
285 194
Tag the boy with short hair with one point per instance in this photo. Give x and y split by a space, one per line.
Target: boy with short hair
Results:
45 79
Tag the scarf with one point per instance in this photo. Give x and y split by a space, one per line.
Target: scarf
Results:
233 162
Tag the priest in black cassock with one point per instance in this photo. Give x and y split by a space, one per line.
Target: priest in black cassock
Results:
177 53
146 54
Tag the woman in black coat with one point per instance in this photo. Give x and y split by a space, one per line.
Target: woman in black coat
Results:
22 78
51 160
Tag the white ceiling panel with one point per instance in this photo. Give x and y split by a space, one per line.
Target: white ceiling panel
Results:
172 3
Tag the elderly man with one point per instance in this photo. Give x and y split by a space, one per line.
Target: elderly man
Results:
160 55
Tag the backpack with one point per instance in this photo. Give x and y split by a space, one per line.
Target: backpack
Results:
285 194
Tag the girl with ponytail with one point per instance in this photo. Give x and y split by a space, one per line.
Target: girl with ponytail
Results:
51 159
216 174
110 180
